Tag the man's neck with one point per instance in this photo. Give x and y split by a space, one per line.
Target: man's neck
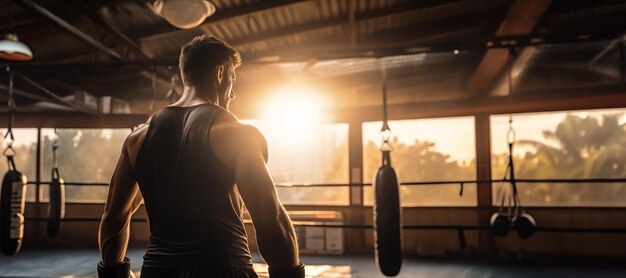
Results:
193 96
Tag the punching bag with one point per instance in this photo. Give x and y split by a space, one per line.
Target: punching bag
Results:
387 219
56 210
12 202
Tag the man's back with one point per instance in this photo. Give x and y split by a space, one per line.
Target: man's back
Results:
186 170
193 206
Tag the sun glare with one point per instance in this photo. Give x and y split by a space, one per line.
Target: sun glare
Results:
293 112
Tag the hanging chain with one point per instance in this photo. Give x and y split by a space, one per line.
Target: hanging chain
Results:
510 135
385 119
8 137
511 138
509 195
9 152
55 163
385 131
55 147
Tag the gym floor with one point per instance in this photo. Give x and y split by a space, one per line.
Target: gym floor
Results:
81 263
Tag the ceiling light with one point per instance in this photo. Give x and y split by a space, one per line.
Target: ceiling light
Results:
184 14
13 49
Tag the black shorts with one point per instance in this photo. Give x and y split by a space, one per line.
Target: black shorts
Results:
193 272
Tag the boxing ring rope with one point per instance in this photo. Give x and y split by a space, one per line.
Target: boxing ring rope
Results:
405 227
296 185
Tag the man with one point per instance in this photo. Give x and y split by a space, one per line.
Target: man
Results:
185 162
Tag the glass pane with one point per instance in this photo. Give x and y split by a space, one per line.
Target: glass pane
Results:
564 145
25 146
313 195
314 154
425 150
84 155
78 194
30 193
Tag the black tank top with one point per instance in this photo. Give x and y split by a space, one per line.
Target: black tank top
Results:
194 209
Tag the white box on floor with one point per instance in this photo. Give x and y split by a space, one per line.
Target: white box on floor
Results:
334 239
314 232
316 244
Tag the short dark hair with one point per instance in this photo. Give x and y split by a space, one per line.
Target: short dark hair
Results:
203 54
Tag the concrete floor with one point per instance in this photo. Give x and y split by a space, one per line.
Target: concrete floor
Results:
82 263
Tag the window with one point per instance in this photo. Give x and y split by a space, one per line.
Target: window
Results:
84 155
314 154
25 146
564 145
425 150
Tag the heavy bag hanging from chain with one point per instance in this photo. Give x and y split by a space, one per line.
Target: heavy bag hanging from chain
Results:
56 210
13 191
12 202
387 219
387 210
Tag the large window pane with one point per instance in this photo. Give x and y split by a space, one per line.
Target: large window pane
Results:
25 146
564 145
314 154
425 150
84 155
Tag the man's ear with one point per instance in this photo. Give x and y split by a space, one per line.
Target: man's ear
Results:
219 72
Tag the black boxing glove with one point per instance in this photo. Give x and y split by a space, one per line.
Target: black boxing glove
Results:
296 272
121 270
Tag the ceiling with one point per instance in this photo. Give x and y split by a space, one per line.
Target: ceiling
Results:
431 50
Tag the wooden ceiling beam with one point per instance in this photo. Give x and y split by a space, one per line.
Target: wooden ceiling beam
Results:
518 69
540 101
72 120
522 17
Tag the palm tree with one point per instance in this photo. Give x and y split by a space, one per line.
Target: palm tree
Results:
584 148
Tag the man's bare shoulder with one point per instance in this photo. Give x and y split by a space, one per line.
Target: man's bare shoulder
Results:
135 140
138 133
227 126
228 137
235 131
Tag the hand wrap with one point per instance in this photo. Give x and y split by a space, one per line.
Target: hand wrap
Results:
296 272
121 270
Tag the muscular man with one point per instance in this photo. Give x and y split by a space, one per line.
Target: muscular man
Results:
185 162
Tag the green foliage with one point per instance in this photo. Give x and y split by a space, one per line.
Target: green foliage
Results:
417 162
578 148
421 162
24 159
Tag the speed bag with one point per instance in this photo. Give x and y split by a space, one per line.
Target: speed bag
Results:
56 210
12 201
387 221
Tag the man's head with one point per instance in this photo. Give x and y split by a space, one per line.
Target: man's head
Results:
208 64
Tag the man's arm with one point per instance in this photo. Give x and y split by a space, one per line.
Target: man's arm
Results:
243 149
123 200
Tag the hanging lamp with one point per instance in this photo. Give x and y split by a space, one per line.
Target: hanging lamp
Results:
13 49
184 14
